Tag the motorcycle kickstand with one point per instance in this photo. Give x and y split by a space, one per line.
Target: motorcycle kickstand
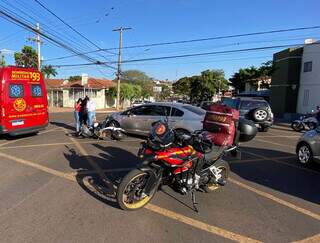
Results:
194 202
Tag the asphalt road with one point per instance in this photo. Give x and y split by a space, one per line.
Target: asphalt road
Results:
57 188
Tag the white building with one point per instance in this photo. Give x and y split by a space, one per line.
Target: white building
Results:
309 89
62 93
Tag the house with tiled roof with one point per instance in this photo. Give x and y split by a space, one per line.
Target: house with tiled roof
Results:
63 93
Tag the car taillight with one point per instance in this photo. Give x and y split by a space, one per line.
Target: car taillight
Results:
3 113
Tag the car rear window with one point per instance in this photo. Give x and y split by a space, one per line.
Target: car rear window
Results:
16 90
233 103
148 110
36 90
176 112
195 110
253 104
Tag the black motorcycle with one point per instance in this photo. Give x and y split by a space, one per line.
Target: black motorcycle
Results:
305 122
102 130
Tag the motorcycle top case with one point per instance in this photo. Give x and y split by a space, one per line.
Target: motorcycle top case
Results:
220 122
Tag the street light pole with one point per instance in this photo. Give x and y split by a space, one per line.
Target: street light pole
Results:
121 29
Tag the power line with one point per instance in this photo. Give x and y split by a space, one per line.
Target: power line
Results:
69 56
31 11
196 40
216 46
76 31
192 55
208 53
205 61
30 23
220 37
20 23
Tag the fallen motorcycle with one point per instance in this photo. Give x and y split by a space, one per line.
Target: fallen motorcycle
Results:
187 163
102 130
306 122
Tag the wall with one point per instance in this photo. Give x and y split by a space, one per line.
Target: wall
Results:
309 91
285 81
68 100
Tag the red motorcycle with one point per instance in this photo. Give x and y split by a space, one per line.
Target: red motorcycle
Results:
187 163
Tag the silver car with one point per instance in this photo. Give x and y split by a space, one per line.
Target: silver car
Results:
138 120
308 147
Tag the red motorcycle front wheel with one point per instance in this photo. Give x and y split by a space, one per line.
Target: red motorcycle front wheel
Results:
130 194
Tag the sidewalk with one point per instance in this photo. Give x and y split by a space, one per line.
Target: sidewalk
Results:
281 122
67 109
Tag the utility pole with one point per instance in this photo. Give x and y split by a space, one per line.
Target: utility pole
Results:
121 29
39 42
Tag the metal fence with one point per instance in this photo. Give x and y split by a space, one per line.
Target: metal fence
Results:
76 93
55 98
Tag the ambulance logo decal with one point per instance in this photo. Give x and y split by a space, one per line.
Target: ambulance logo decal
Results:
19 104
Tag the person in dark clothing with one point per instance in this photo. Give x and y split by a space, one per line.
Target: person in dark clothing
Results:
318 114
84 111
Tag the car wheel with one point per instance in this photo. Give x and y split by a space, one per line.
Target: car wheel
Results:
260 114
304 154
297 126
312 125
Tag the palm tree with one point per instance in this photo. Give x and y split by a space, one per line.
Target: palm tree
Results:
48 71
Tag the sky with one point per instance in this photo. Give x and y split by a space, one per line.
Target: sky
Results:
158 21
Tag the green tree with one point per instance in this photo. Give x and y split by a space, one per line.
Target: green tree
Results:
48 71
127 92
182 87
252 75
201 87
137 77
266 70
74 78
130 92
28 57
2 61
112 92
137 92
165 92
244 75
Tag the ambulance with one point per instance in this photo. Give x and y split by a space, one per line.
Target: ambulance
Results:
23 101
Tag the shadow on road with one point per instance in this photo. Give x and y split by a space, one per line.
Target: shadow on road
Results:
286 129
17 137
113 162
292 180
63 125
